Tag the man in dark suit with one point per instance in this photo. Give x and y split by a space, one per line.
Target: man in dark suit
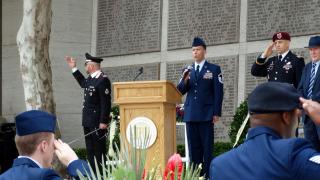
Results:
284 67
204 85
270 151
36 145
96 106
309 88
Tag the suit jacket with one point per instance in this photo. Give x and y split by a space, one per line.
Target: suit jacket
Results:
288 70
205 94
26 169
304 83
97 99
265 155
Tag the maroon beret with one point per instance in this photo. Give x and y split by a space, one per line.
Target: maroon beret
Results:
281 36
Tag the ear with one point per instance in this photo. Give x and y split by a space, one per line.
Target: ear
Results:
43 146
286 118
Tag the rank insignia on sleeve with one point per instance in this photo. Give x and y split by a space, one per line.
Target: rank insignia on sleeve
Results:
220 78
315 159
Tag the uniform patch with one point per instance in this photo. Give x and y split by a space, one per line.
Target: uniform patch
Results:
220 78
107 91
315 159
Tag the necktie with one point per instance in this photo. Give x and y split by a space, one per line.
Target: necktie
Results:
279 57
197 71
312 78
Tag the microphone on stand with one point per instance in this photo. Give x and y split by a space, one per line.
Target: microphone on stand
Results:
140 72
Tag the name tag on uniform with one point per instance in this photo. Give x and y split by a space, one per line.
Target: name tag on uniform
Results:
208 75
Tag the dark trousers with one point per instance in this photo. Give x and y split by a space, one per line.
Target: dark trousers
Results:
312 132
95 145
200 143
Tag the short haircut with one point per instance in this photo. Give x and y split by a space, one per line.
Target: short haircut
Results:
27 144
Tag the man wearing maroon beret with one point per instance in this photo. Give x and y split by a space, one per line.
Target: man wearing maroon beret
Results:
284 66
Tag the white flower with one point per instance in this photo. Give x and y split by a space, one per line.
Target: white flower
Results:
113 126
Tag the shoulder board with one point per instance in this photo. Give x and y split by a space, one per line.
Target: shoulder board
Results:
104 76
300 57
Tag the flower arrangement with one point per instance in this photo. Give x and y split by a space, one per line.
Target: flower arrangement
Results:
179 112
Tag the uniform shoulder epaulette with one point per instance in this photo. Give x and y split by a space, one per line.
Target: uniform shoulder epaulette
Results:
104 76
300 57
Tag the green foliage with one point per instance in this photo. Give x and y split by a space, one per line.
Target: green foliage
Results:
181 150
221 147
238 119
131 165
81 153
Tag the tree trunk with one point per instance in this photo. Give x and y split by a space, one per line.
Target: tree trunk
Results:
33 43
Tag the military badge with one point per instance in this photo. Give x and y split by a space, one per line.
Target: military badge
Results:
287 66
270 67
107 91
220 78
207 75
279 35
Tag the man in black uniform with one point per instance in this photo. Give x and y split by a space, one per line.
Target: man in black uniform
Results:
96 106
284 67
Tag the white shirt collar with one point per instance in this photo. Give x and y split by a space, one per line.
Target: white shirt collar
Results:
283 54
200 64
96 74
317 65
31 160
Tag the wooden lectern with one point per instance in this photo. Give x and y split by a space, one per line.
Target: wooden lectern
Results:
155 100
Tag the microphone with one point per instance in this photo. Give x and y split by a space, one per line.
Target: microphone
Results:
186 73
140 72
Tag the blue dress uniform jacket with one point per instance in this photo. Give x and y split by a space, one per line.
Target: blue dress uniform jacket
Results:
26 169
265 155
97 99
288 70
205 94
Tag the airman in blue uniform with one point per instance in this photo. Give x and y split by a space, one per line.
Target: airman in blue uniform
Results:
204 87
36 145
269 151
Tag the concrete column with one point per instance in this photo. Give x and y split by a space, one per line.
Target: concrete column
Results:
242 51
94 27
164 39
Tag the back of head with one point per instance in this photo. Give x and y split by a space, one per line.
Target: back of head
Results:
32 127
273 97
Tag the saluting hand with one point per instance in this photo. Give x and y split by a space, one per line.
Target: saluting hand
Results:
71 61
268 51
64 152
312 109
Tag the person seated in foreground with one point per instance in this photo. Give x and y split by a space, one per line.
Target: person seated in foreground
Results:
270 151
36 146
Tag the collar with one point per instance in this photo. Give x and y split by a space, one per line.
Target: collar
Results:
26 160
200 64
316 61
284 54
96 74
253 132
